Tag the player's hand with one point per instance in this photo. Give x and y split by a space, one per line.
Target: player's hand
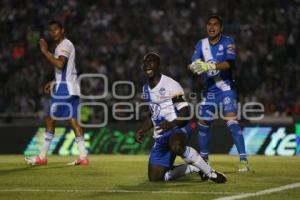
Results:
139 136
43 45
47 87
195 67
165 126
198 66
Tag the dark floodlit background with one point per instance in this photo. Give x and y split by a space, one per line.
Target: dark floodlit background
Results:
111 38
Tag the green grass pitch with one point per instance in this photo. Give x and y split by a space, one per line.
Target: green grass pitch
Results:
125 177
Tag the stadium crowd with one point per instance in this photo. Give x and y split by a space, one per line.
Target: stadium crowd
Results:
111 37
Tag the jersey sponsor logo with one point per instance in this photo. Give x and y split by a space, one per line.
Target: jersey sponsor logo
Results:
231 49
220 53
162 91
231 46
213 72
226 100
155 110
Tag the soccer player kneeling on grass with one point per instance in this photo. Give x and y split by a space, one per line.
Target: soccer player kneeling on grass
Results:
65 94
171 132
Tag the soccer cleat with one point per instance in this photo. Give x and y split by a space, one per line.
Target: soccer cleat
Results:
80 161
217 177
203 176
244 167
35 160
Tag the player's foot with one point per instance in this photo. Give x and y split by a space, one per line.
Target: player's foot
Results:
217 177
35 160
244 167
203 176
80 161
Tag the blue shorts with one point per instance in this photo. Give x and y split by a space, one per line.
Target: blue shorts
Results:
63 109
160 153
225 102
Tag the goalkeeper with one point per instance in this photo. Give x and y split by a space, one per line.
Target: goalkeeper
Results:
214 59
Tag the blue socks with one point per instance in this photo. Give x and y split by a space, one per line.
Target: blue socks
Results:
203 140
238 138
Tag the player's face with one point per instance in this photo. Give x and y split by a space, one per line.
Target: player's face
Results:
55 32
213 28
151 66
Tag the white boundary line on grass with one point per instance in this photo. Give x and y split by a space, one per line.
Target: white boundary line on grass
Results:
115 191
262 192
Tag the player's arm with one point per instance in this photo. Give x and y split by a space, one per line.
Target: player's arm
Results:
147 125
59 62
182 117
224 65
47 87
199 66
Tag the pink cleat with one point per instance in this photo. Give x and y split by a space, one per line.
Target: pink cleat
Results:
80 161
35 160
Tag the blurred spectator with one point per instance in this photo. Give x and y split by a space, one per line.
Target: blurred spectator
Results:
112 36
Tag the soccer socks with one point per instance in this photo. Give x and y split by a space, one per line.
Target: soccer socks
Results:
203 140
48 138
192 157
81 148
238 138
180 171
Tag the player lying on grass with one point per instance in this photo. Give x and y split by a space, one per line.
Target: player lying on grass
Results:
171 131
65 94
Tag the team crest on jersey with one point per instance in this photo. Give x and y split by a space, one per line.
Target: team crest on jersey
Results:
221 47
162 91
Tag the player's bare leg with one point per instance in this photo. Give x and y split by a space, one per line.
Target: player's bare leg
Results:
41 159
82 160
156 172
237 136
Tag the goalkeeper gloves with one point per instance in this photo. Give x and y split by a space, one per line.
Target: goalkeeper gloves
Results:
198 66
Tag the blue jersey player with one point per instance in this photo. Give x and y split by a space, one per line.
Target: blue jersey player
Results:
65 94
169 119
214 58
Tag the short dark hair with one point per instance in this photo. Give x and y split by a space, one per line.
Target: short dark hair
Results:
217 17
154 56
58 23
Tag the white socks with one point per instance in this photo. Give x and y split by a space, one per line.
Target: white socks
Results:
180 171
81 148
48 138
192 157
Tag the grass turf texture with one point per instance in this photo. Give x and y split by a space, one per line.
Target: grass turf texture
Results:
125 177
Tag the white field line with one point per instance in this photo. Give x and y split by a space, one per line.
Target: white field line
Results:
116 191
262 192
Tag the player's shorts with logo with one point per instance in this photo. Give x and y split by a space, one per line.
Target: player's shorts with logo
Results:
160 153
224 101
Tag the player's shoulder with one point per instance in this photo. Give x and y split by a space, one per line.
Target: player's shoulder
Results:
170 82
66 43
227 39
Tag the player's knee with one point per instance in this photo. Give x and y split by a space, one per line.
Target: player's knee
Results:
177 148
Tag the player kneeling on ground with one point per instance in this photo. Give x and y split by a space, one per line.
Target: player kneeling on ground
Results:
171 132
